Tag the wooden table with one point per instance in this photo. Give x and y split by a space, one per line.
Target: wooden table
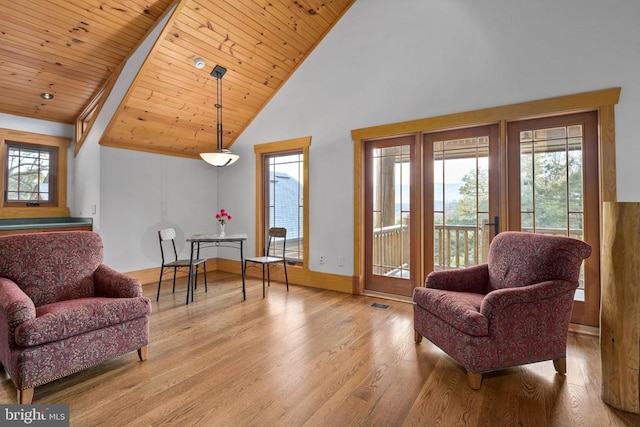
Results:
215 240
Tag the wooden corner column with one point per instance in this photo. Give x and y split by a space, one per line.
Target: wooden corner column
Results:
620 307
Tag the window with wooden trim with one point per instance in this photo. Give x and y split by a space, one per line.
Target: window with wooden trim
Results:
31 177
282 194
284 201
34 175
85 120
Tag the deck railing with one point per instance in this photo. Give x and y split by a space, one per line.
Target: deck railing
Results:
455 246
391 254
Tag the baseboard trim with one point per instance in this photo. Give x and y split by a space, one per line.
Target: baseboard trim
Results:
584 329
297 275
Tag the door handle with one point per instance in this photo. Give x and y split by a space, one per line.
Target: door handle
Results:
496 225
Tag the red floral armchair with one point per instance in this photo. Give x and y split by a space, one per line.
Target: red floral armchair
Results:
513 310
62 310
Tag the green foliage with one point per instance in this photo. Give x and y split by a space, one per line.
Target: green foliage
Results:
474 194
551 182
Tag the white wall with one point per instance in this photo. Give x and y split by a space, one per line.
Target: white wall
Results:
142 193
390 61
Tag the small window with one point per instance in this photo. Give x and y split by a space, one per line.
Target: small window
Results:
33 179
30 177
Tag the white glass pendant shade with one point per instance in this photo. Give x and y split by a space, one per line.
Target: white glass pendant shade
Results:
220 158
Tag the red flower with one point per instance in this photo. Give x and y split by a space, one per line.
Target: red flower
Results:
223 216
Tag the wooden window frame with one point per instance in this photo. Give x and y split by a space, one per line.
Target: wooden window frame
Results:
59 206
52 171
275 148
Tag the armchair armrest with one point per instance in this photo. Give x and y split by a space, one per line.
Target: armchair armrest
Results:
468 279
114 284
14 303
497 302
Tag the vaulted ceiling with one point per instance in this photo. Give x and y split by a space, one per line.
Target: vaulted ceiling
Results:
73 49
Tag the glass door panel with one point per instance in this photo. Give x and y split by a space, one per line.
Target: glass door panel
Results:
388 199
549 160
457 196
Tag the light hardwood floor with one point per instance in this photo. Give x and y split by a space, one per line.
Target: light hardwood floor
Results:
314 357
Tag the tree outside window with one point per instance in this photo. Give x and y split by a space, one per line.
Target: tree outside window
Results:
29 174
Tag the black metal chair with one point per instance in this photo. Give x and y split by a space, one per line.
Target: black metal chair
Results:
169 235
274 254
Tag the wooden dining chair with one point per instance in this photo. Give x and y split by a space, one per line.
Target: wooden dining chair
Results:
165 236
274 254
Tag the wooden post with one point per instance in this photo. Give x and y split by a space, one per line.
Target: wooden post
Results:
620 309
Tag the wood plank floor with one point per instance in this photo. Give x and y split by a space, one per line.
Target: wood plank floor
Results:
310 357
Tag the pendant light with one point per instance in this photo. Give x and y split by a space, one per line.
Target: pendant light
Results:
221 157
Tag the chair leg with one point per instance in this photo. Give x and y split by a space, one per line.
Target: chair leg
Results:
475 380
263 290
417 336
25 397
174 279
159 283
143 353
561 365
268 275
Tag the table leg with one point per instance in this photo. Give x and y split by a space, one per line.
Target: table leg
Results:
190 278
244 292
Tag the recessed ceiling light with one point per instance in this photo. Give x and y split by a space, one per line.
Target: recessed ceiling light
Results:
46 95
198 63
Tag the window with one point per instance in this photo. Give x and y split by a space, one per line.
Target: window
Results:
284 199
34 175
282 194
85 120
30 175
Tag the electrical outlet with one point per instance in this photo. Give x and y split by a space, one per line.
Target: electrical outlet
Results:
321 259
340 261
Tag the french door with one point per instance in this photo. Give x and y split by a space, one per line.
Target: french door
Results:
461 196
458 188
553 189
390 206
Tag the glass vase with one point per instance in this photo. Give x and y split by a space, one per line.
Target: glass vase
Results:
221 230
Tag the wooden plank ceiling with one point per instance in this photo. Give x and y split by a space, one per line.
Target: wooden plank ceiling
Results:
71 49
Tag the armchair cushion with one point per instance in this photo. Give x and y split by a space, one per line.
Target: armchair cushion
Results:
64 319
460 309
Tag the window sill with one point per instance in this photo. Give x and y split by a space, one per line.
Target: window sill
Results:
34 212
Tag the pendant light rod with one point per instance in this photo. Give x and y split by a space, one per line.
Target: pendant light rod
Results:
217 72
221 157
